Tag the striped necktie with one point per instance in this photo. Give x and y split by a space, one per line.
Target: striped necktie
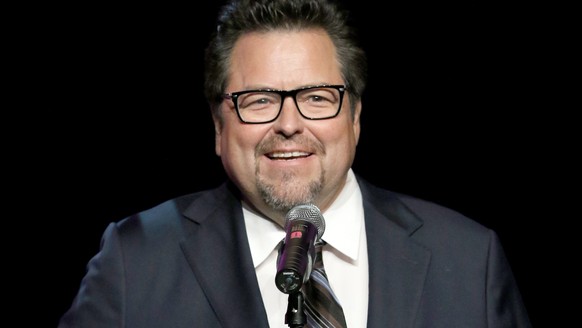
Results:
321 305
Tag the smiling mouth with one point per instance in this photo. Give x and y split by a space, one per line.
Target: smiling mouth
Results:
288 155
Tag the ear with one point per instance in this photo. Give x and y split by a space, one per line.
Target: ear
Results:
217 119
356 120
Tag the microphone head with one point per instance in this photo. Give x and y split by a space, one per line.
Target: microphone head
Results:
304 226
309 213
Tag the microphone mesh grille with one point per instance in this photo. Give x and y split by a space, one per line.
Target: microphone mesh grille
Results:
309 213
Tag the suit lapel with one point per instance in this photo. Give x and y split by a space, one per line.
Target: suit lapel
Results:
216 248
397 264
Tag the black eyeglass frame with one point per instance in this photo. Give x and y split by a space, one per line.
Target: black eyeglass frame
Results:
288 93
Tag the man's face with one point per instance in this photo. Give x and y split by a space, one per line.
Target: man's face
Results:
291 160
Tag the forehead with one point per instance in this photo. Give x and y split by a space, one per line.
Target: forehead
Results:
284 59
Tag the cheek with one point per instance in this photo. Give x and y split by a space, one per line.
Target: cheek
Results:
340 143
235 149
342 135
238 142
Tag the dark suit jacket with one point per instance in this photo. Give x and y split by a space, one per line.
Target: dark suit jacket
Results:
187 263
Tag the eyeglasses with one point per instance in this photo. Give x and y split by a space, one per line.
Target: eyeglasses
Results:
259 106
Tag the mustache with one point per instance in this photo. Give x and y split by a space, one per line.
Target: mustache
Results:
278 141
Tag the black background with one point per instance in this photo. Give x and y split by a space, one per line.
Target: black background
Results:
450 115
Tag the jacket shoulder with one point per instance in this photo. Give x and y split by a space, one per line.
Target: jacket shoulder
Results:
426 214
168 216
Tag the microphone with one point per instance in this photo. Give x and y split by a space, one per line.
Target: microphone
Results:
304 226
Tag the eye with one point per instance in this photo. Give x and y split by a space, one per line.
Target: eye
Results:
258 100
318 97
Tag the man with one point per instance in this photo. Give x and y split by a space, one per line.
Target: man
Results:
284 80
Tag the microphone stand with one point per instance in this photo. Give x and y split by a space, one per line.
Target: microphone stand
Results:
295 316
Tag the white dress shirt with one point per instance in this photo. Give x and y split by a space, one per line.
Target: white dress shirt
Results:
345 257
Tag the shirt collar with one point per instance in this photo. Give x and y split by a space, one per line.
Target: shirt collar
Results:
263 234
343 219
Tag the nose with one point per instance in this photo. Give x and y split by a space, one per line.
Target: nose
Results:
290 120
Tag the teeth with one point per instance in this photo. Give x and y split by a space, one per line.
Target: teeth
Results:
289 154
